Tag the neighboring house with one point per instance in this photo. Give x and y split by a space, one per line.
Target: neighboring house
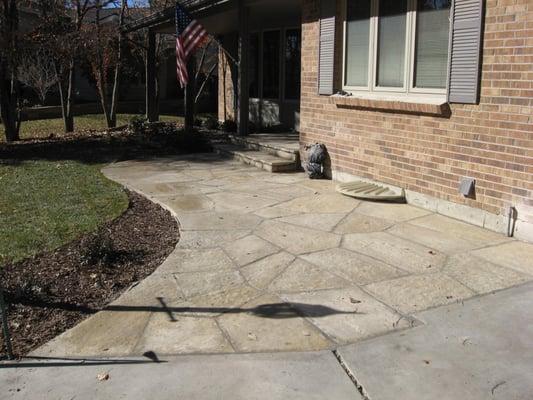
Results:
412 93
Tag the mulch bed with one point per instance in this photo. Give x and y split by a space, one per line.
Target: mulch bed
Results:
51 292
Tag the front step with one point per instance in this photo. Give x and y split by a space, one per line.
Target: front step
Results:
257 158
270 144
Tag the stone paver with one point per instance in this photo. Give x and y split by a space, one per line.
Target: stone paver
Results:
252 243
419 292
516 255
296 239
249 249
260 273
352 266
353 314
302 276
269 325
402 253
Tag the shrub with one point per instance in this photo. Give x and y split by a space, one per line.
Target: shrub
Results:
138 124
211 123
229 126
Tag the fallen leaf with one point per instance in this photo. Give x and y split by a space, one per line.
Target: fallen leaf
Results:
103 376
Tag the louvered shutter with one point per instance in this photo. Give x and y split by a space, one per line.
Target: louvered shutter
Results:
327 47
465 47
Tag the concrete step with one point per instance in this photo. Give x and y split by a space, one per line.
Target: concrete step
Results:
257 158
271 144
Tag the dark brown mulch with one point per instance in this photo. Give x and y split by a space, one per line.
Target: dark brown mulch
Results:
53 291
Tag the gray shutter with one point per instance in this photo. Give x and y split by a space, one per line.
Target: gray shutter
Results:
465 49
327 47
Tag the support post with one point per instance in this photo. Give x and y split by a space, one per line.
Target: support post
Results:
151 106
243 103
190 91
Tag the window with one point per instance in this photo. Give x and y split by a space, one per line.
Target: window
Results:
292 64
253 66
396 46
271 64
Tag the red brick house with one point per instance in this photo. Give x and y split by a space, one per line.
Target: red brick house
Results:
417 94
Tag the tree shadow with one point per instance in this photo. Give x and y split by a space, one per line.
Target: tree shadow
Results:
101 148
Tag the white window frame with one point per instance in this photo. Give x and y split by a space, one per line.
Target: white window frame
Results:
372 90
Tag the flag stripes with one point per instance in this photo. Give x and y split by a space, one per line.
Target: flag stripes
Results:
190 35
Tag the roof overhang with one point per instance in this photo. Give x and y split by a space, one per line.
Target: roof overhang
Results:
164 21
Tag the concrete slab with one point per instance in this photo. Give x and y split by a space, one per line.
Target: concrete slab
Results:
346 315
398 252
477 350
296 239
267 324
515 255
352 266
419 292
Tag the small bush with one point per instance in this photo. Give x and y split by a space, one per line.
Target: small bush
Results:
100 250
229 126
211 123
138 124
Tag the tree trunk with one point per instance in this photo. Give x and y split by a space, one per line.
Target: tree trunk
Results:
118 67
8 81
68 118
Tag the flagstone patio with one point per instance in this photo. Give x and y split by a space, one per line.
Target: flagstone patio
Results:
276 262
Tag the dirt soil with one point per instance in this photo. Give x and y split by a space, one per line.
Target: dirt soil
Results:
52 292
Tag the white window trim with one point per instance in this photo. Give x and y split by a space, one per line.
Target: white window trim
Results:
372 90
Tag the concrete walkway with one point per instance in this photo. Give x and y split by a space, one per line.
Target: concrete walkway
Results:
279 263
476 350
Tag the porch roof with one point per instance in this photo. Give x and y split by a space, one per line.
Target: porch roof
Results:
163 21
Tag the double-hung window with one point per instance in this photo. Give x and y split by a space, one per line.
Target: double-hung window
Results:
396 48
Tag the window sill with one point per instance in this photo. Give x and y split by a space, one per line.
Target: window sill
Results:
411 105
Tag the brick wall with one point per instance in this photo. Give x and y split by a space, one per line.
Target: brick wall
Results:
427 154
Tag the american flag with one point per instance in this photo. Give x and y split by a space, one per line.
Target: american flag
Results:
189 36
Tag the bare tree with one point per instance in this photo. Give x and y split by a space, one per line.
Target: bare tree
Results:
9 58
37 71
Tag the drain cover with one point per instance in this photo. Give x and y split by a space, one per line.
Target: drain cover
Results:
370 191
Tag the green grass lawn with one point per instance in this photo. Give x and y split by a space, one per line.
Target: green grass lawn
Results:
46 127
45 204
